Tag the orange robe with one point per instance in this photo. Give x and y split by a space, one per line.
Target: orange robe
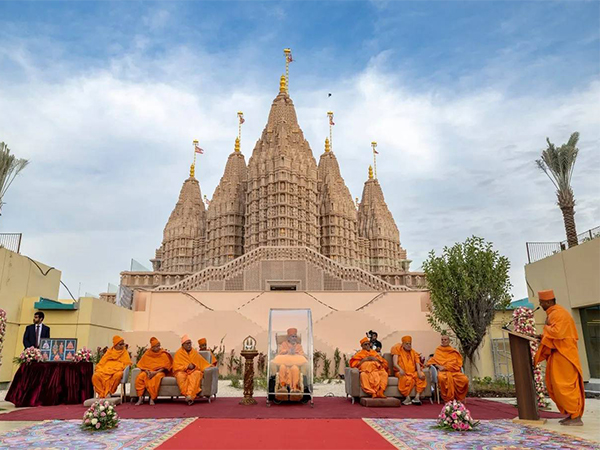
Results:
152 361
109 371
189 381
289 364
373 374
408 362
564 378
454 385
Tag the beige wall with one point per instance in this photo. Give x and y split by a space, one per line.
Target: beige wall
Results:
20 278
574 275
339 319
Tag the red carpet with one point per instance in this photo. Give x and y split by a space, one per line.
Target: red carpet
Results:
220 434
228 408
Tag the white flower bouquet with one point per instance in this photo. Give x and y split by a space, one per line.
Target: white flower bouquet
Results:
29 355
100 416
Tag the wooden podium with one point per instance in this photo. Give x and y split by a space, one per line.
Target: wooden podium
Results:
523 374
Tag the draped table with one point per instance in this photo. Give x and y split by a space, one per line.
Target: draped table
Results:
51 383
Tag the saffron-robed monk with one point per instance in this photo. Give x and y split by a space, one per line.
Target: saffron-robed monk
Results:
203 346
453 384
373 369
109 371
407 367
188 368
558 347
155 364
290 357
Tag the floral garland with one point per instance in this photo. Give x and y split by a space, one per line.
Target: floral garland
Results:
29 355
83 354
456 417
100 416
525 324
2 331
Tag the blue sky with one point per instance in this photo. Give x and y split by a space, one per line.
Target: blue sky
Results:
104 98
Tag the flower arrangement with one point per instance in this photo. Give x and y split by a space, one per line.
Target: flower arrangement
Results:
525 324
83 354
2 331
456 417
100 416
29 355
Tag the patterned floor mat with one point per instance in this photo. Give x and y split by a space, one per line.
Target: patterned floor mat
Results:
132 434
491 435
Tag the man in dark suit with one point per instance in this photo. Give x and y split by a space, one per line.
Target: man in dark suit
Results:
36 332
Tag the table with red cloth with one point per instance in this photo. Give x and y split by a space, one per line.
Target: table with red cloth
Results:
51 383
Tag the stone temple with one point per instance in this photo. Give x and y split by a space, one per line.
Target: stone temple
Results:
280 222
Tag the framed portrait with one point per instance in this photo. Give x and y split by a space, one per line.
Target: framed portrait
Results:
58 349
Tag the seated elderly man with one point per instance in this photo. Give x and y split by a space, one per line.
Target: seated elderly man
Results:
155 364
453 384
290 357
373 369
407 367
109 371
188 368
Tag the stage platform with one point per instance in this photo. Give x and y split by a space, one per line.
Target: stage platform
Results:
229 408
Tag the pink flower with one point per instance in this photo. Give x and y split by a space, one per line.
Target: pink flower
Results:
98 425
87 421
454 416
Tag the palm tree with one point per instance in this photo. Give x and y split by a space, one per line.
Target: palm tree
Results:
558 164
10 166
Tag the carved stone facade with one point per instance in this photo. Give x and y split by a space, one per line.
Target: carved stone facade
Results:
266 218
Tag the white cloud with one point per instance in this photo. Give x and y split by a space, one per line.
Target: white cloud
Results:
110 148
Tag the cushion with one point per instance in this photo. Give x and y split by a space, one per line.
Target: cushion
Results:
389 402
168 381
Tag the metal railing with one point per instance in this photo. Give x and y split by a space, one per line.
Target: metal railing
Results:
541 250
11 241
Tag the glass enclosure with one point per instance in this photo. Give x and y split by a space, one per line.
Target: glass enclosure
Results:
290 356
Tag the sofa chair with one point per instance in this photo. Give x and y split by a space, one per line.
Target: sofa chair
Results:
354 390
169 388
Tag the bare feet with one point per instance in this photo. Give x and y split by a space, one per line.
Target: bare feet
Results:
564 419
189 400
152 402
140 401
576 422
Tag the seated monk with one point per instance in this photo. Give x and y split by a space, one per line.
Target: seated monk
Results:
155 364
188 368
202 346
373 369
453 384
407 367
290 357
109 371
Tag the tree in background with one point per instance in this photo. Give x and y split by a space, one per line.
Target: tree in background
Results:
10 166
558 164
467 283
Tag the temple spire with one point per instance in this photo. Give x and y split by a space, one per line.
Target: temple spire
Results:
282 87
370 172
327 146
237 145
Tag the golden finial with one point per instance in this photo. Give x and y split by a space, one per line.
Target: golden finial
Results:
192 170
282 87
237 145
327 146
370 172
